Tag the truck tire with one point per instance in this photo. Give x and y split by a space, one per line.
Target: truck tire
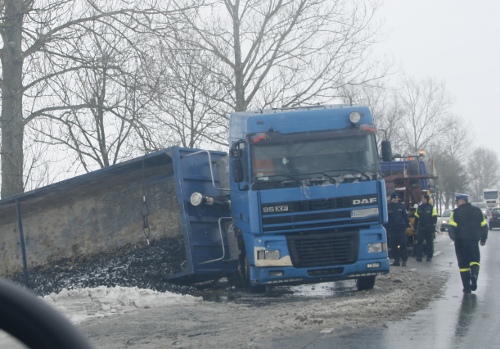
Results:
365 283
246 279
243 272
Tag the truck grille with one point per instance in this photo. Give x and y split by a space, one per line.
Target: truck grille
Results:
323 249
287 217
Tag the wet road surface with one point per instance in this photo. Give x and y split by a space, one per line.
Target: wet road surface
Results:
453 321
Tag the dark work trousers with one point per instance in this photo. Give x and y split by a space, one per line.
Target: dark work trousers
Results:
399 249
426 235
468 257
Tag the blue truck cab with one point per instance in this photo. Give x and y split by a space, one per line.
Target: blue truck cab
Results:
308 202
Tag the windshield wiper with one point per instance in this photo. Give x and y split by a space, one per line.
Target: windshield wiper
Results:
318 178
276 178
313 177
353 172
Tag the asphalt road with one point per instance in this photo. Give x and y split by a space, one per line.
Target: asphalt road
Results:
453 321
450 321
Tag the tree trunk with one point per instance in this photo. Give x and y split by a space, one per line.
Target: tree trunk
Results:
12 96
239 87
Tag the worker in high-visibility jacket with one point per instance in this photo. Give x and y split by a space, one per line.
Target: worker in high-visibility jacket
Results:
425 226
468 227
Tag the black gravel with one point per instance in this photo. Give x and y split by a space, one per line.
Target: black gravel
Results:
145 267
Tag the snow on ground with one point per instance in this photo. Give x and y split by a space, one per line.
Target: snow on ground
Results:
86 303
123 300
402 291
130 317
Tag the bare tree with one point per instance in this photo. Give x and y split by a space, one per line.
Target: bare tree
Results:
188 96
286 53
448 153
484 170
37 161
452 178
454 142
38 47
386 110
111 127
425 116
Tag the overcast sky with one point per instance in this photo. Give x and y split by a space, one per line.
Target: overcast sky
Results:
457 42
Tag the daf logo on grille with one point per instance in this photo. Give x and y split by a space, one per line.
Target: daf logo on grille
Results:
364 201
273 209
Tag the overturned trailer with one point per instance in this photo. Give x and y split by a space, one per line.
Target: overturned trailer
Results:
130 203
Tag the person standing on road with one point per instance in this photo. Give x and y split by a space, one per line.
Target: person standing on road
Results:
396 230
425 225
467 228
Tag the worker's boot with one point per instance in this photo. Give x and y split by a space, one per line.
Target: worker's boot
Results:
465 275
474 273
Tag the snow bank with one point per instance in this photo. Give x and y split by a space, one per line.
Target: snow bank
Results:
81 304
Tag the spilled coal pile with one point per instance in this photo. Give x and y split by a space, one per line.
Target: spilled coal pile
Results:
145 267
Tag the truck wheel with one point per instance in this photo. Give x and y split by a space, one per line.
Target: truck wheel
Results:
246 277
365 283
243 273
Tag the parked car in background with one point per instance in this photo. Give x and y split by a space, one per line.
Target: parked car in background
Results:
443 220
483 206
494 218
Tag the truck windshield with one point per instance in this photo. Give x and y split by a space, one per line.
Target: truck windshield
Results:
278 162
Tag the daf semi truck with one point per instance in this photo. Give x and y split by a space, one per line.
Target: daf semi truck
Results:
298 198
307 199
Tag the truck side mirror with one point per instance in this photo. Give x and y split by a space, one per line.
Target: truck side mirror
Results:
237 156
237 170
386 151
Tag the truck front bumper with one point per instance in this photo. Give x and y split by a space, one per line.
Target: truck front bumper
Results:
287 275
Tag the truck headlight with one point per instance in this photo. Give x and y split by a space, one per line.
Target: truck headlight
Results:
377 247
